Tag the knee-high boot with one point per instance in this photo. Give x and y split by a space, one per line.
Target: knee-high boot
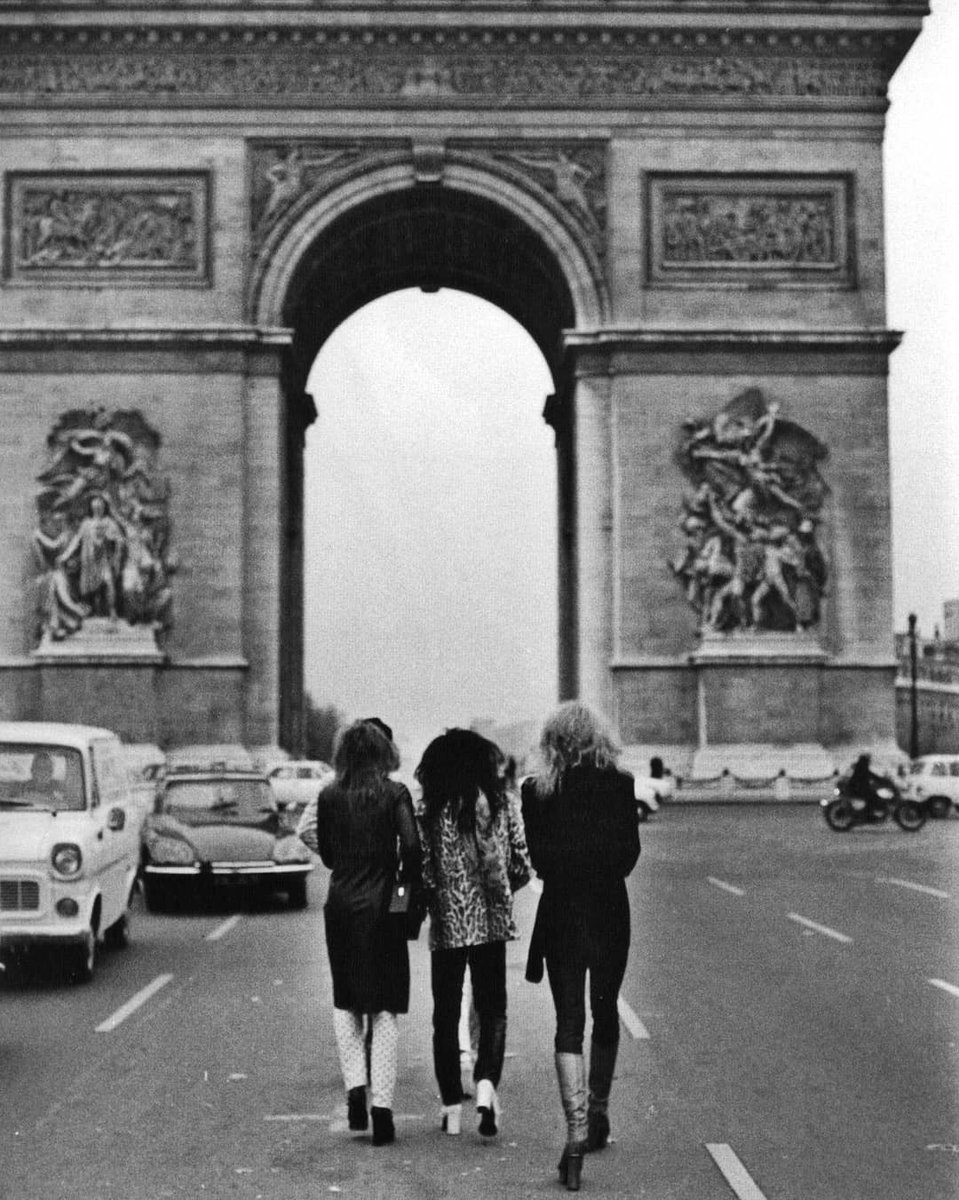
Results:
571 1073
602 1063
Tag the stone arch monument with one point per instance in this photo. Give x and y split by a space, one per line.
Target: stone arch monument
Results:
681 204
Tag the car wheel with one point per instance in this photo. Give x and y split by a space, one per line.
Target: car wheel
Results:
297 893
938 806
83 959
117 937
155 895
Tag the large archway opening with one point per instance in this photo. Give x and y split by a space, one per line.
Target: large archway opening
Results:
401 235
430 520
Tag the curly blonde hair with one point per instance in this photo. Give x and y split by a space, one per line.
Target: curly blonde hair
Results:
572 735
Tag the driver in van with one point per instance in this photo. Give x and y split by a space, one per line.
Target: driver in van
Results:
41 787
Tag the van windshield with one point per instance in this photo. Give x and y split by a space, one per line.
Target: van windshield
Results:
40 777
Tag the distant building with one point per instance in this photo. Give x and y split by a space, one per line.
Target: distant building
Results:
937 687
950 620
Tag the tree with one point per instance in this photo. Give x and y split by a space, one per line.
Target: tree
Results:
320 727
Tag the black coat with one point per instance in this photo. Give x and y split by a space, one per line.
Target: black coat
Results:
363 839
583 841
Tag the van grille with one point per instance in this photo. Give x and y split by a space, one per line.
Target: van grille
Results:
19 895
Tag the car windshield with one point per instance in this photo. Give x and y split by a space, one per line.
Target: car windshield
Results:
219 801
34 776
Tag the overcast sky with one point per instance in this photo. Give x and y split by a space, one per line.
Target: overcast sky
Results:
434 614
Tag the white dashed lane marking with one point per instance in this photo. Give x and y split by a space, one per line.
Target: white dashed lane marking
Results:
222 930
726 887
823 929
915 887
946 987
743 1185
133 1004
633 1024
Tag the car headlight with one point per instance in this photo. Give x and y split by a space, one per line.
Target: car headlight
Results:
290 850
169 850
66 859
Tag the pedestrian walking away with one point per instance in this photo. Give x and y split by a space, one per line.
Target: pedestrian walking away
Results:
579 813
365 832
474 859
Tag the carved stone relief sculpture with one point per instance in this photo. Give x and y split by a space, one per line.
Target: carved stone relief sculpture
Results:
749 230
102 540
752 559
92 227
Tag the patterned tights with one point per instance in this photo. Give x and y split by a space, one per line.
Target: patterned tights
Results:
351 1034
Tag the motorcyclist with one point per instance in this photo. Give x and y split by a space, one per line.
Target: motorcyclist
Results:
863 782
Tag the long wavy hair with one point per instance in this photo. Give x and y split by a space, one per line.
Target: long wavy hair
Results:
574 735
455 768
363 758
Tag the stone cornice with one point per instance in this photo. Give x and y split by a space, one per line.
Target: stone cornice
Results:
877 341
225 337
580 56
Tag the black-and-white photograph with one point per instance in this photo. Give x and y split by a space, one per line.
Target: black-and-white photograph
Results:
479 606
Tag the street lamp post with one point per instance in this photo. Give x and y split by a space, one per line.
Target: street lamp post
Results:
913 698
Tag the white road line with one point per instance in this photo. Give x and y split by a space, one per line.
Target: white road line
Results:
946 987
840 937
536 885
727 887
915 887
298 1117
735 1174
222 930
133 1004
635 1026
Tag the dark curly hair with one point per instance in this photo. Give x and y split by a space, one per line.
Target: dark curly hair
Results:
454 769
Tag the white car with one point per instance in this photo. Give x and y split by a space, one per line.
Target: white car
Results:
69 842
296 783
934 780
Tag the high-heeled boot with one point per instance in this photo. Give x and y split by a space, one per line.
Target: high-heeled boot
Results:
571 1073
356 1114
602 1064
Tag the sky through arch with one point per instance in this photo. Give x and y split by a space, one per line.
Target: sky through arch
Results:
430 518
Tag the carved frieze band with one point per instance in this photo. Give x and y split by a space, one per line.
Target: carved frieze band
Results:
286 174
750 230
513 67
96 227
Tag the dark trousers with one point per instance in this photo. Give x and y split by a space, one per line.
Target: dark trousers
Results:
594 943
487 966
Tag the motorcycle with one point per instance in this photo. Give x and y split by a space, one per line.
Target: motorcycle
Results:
842 811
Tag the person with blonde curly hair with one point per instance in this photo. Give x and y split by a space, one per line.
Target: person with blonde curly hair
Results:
582 831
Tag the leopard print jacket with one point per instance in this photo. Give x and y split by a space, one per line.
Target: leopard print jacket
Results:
470 883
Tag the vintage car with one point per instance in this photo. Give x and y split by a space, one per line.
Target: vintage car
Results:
218 824
296 783
69 842
934 781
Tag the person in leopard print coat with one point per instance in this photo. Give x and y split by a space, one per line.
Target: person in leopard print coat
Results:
474 859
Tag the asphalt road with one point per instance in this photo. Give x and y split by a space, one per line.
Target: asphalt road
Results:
790 1027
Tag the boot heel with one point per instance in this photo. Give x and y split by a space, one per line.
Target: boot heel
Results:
574 1169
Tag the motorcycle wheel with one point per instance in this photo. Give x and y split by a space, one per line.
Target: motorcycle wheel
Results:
909 816
938 806
839 816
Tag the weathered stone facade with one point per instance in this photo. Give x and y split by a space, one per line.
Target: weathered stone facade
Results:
680 204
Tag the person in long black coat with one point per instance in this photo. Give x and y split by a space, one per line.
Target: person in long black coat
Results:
366 833
582 832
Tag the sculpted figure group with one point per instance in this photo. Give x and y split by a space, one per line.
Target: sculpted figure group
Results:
102 540
752 558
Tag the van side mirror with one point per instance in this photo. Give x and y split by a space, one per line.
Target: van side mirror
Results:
116 819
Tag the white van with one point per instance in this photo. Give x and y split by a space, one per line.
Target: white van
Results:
69 841
934 779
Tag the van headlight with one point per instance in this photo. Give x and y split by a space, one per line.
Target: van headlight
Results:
169 850
66 859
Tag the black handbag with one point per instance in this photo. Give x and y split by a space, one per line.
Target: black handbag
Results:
408 905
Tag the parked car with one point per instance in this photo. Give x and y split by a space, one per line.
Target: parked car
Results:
69 842
218 824
934 780
296 783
